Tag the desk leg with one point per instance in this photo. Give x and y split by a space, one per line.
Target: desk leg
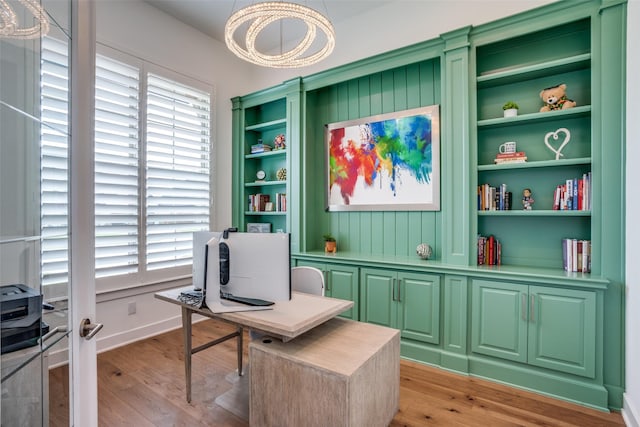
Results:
239 351
186 329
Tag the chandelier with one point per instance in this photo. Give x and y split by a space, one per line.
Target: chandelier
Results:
260 15
9 26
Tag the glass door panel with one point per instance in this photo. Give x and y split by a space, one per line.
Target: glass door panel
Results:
35 105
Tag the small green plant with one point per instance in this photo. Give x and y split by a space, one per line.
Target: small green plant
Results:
510 105
328 238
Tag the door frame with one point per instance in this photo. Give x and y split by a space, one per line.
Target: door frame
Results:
83 393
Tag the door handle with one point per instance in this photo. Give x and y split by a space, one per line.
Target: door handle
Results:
88 330
523 307
56 330
399 286
393 289
326 281
532 314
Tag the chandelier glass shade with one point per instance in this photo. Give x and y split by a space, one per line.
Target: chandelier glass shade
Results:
10 27
260 15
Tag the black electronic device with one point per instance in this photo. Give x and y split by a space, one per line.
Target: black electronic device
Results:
224 263
248 301
21 315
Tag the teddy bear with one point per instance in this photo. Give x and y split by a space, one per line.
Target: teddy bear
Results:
555 98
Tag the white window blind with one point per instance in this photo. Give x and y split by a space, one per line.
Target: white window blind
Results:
117 135
177 173
54 170
163 178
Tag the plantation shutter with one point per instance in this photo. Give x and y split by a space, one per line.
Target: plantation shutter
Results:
54 169
117 163
177 174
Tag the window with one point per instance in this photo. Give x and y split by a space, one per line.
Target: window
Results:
177 172
152 170
54 170
117 161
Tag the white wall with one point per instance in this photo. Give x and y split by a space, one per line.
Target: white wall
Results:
631 409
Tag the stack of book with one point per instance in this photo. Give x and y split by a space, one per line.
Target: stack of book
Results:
494 198
257 202
260 148
576 255
517 157
281 202
489 250
574 194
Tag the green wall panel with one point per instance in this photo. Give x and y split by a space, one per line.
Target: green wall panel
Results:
380 233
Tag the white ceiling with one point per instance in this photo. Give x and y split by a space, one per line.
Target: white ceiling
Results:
210 16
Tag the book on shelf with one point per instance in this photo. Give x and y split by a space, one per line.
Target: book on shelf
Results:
281 202
494 198
260 148
574 194
257 202
489 250
576 255
517 157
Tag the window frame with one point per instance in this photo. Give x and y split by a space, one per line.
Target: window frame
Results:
143 277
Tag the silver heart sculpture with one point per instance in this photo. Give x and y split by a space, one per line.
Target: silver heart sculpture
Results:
567 137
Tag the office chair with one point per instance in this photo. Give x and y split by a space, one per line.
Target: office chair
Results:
309 280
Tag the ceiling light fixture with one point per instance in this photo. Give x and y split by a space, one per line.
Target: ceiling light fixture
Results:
261 15
9 26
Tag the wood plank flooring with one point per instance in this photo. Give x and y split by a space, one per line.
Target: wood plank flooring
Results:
142 384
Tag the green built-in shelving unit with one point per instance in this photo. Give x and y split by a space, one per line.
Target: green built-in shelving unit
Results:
526 322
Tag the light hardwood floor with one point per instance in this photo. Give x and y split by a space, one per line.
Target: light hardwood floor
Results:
142 384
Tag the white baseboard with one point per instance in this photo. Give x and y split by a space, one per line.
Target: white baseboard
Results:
61 357
630 413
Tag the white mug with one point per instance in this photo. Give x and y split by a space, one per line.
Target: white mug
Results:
507 148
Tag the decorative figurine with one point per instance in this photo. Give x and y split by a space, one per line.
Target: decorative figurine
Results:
279 142
424 251
527 199
281 174
555 136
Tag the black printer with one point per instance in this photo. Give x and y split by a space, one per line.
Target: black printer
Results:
21 317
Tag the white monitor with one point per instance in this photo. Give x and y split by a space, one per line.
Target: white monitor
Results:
200 240
259 266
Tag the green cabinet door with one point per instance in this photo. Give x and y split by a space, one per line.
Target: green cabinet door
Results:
499 319
340 281
562 330
419 307
543 326
406 301
378 297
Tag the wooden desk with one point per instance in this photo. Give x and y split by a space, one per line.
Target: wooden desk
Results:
287 320
341 373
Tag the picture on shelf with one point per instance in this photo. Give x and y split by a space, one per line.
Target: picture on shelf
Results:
258 227
385 162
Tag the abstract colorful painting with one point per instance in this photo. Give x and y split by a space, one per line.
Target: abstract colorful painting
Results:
385 162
